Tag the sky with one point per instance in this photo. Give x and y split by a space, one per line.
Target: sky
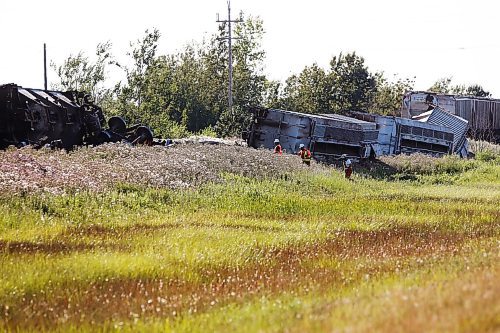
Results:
426 39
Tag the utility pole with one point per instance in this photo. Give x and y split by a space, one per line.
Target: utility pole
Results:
229 39
45 65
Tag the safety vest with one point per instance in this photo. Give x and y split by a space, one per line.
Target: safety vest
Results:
305 154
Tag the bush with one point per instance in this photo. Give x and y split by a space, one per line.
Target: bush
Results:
488 156
420 164
169 129
208 131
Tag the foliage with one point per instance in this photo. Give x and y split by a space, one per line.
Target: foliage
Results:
78 72
308 92
488 156
183 93
273 94
249 81
387 100
352 85
208 132
131 95
346 86
476 90
444 86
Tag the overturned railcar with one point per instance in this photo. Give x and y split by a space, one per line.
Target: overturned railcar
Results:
359 136
482 114
327 136
60 119
458 125
407 136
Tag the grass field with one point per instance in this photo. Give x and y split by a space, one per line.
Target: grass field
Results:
407 247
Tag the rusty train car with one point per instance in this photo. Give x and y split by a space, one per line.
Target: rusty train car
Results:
483 114
62 119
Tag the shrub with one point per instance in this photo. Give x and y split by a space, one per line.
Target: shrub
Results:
488 156
420 164
208 131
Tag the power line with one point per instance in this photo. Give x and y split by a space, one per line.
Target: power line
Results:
229 39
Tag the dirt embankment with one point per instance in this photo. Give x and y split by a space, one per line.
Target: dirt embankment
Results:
100 168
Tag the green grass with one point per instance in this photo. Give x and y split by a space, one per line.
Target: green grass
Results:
301 253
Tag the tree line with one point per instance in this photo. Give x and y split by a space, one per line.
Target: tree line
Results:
186 92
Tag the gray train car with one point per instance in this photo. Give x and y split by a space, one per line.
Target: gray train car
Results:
327 136
360 136
406 136
456 124
482 114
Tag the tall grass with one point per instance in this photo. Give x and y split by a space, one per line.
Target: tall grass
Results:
302 251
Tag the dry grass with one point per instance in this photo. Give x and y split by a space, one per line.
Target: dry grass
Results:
250 245
279 270
478 146
466 302
104 167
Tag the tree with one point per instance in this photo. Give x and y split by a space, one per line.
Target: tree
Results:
387 100
444 86
249 81
308 92
78 72
347 86
131 94
441 86
352 85
273 94
477 90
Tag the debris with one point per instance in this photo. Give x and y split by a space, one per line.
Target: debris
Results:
59 120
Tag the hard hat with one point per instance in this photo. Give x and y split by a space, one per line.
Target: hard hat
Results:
348 162
276 141
301 145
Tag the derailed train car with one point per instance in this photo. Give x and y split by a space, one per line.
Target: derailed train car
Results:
327 136
438 134
482 113
59 119
360 136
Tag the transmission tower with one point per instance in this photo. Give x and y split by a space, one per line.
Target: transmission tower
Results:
229 39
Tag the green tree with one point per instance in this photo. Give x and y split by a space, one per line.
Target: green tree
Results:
477 90
353 87
444 86
273 94
249 82
347 86
387 100
79 73
308 92
130 95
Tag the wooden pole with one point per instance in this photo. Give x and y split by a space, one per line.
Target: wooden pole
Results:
45 65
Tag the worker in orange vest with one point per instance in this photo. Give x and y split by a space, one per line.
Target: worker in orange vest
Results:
305 154
277 147
347 165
